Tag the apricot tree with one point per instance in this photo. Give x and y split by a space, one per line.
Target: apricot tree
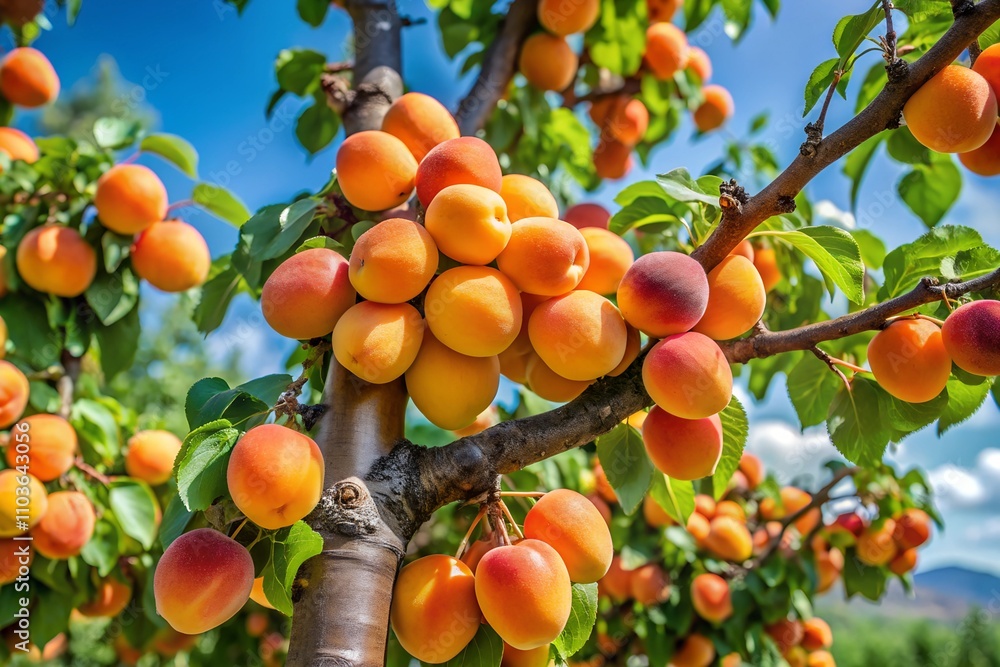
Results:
423 271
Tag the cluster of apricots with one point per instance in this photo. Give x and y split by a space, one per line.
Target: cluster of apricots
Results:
275 478
746 525
956 112
520 587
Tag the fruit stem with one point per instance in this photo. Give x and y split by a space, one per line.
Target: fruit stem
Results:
510 518
468 534
921 316
522 494
849 365
179 204
131 158
239 528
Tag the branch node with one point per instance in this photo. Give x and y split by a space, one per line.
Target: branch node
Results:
732 197
786 204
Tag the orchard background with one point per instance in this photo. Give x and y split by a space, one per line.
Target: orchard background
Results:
111 364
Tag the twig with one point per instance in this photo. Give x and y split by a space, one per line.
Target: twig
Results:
65 386
889 41
814 131
468 534
828 360
91 472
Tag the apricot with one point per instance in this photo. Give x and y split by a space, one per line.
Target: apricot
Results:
662 10
909 360
476 551
579 335
18 145
796 656
474 310
45 443
695 651
257 624
700 64
612 159
987 65
27 78
125 652
567 18
603 486
393 261
602 507
736 298
786 633
14 389
434 609
617 583
731 509
378 341
535 657
469 223
514 365
168 642
711 598
698 526
829 565
792 501
56 260
610 257
654 514
971 336
705 505
816 634
587 215
731 660
601 106
688 376
716 108
466 160
875 546
954 112
820 659
257 593
548 62
650 585
545 256
984 160
66 527
449 388
24 493
627 121
275 475
15 560
752 469
663 293
522 344
111 598
202 580
633 345
550 385
527 197
745 249
904 562
570 524
172 256
683 449
729 539
305 296
766 262
151 455
420 122
913 528
130 198
524 593
375 170
667 50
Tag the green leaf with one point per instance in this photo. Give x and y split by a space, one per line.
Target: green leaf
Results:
321 242
679 185
112 295
173 149
870 582
221 203
215 297
98 430
872 248
299 70
290 548
101 551
50 615
836 255
317 126
116 248
905 418
623 457
857 164
642 212
852 30
313 11
201 464
618 39
735 429
582 616
119 343
969 264
116 133
239 403
675 497
175 521
818 83
811 388
963 401
907 264
857 423
198 395
134 506
930 190
904 147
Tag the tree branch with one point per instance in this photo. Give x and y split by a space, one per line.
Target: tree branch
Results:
499 65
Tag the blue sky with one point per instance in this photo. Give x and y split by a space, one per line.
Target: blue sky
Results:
209 74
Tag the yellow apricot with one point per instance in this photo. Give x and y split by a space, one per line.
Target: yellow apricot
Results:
909 360
716 108
468 223
151 455
527 197
550 385
130 198
736 298
22 501
172 256
56 260
547 62
667 50
375 170
449 388
683 449
474 310
378 341
572 525
688 376
66 527
610 257
420 122
545 256
47 444
954 112
393 261
579 335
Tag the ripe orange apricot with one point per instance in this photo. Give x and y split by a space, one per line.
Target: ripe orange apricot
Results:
612 159
579 335
731 660
913 528
66 527
984 160
202 580
662 10
466 160
14 389
567 18
711 598
628 121
56 260
909 360
18 145
151 455
393 261
736 299
469 223
522 344
550 385
545 256
954 112
698 526
524 593
786 633
602 507
257 593
695 651
449 388
633 345
603 486
587 215
792 501
15 560
650 585
971 335
477 550
700 64
434 609
816 634
375 170
305 296
654 514
715 110
820 659
27 78
547 62
829 565
24 493
684 449
172 256
663 293
904 562
601 107
987 65
111 598
688 376
527 197
610 257
729 539
766 262
45 443
570 524
752 469
617 583
130 198
275 475
474 310
705 505
257 624
168 642
514 365
667 50
875 546
745 249
536 657
378 341
420 122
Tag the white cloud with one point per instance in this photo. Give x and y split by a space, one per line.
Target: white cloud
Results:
987 531
790 454
955 486
830 213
